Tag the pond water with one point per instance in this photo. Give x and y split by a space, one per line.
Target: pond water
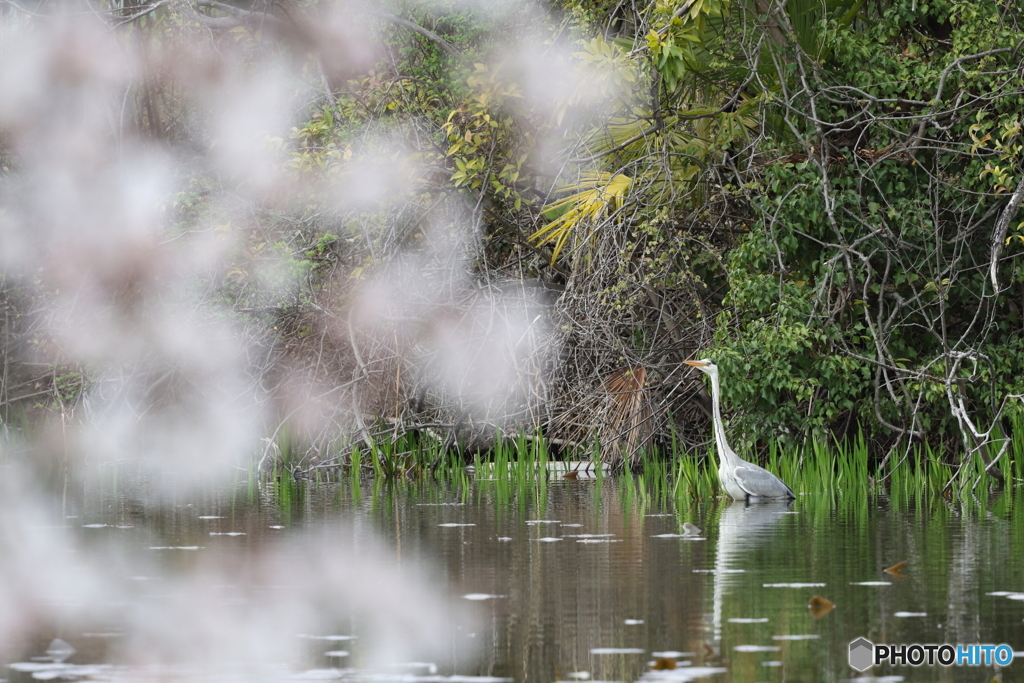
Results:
480 580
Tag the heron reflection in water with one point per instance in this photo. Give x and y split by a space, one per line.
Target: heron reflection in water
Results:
741 479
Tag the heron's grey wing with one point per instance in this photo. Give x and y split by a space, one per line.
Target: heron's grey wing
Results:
760 483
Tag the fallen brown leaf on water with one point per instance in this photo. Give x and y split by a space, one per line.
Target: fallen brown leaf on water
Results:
896 569
664 664
820 606
708 650
571 475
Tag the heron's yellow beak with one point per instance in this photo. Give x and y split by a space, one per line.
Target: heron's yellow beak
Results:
695 363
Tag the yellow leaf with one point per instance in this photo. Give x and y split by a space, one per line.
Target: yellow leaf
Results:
597 195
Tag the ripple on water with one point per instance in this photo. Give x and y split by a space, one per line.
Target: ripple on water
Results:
587 535
808 636
683 674
757 648
330 637
685 537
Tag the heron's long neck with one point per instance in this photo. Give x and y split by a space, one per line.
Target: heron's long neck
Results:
716 408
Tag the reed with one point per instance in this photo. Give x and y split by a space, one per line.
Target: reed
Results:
519 466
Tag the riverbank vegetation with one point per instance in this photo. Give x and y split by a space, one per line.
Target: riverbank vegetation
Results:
401 237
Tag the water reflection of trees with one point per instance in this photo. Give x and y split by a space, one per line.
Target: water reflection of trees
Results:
566 598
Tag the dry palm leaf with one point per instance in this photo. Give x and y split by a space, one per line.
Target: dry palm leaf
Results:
621 413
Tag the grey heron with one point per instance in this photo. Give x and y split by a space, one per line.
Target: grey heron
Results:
741 479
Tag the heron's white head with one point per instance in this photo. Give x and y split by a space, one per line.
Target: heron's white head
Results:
706 366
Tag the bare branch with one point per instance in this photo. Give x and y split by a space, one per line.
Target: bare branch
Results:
999 233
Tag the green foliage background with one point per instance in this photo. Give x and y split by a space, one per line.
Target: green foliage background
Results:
821 197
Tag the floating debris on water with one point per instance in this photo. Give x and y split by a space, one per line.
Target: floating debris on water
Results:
454 524
59 650
504 539
633 622
719 571
547 539
820 606
663 664
793 585
531 522
772 662
578 676
599 540
871 583
910 614
757 648
337 653
211 517
672 653
690 529
896 569
94 526
750 620
227 533
618 651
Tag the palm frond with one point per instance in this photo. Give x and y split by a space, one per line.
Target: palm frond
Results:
595 196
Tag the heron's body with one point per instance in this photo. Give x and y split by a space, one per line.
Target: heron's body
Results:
742 480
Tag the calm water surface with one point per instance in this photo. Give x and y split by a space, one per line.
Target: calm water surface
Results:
561 580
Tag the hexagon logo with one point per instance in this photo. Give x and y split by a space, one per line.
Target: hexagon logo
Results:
862 654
